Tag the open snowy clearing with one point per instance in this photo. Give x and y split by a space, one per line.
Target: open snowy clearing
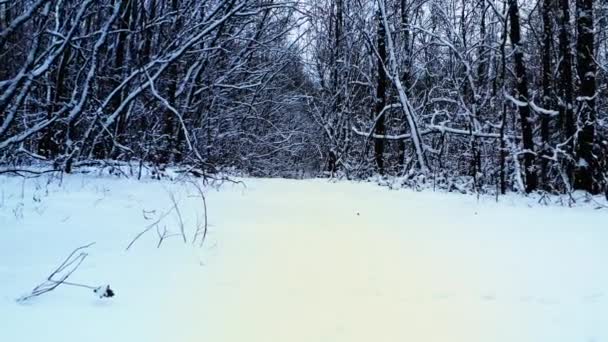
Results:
300 261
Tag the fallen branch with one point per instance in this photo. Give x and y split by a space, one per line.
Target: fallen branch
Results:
430 129
63 272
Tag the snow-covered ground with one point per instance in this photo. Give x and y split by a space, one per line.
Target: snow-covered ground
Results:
308 261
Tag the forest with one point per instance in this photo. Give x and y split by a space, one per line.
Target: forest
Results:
489 96
303 170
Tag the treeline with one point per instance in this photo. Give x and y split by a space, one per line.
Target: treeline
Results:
485 95
197 82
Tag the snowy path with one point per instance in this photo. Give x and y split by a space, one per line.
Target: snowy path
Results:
311 261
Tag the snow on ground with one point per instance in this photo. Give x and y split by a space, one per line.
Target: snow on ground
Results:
300 261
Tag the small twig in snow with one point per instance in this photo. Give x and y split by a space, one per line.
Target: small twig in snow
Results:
205 222
63 272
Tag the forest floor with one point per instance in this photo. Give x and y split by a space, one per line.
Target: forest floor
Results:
290 261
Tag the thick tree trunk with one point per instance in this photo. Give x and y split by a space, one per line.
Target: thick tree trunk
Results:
586 167
566 92
522 96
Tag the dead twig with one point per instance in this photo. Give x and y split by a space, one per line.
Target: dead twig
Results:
179 217
60 275
205 222
149 227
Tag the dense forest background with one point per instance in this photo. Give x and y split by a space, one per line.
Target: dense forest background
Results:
486 95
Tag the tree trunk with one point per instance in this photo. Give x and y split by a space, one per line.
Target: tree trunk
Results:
548 96
521 89
332 163
405 26
565 83
406 106
380 95
587 162
170 150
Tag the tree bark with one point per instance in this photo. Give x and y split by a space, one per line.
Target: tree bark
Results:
565 83
548 95
407 74
586 168
380 116
522 96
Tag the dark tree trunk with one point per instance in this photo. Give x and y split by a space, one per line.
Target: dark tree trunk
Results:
380 117
332 163
148 16
566 91
548 96
49 146
407 36
170 134
483 60
121 65
522 95
587 163
503 117
5 19
405 23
